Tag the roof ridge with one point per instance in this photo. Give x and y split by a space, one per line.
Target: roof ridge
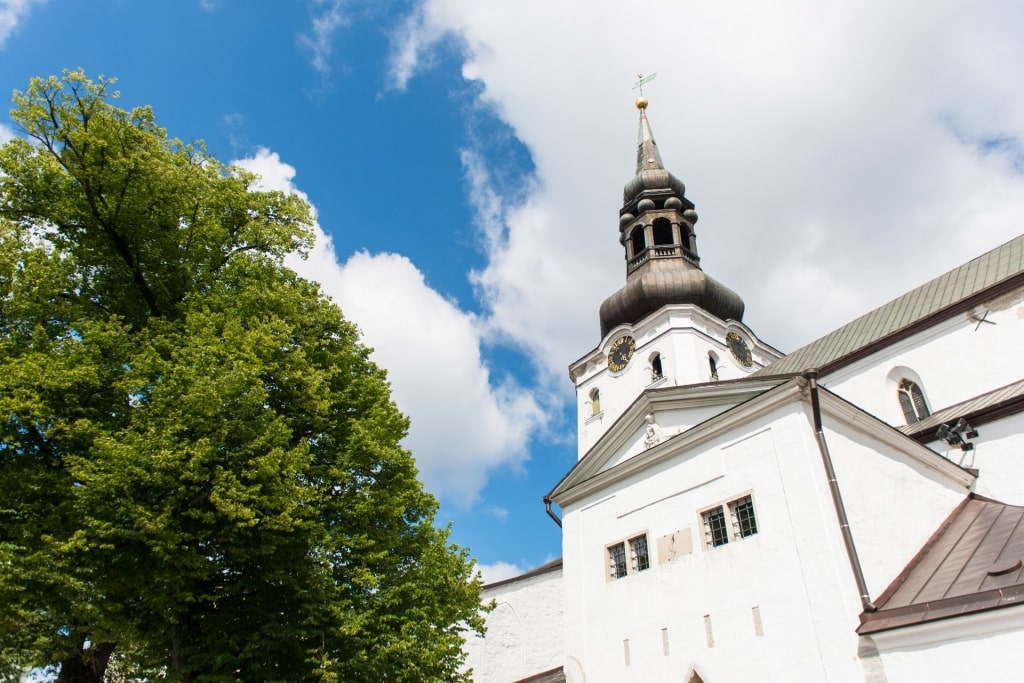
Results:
957 289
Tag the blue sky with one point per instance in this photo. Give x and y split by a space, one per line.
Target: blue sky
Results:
466 159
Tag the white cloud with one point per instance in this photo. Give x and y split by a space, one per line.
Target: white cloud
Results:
838 153
327 19
465 422
499 571
12 12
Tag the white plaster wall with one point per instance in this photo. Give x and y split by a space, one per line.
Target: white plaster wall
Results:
670 422
524 631
795 570
998 456
983 648
956 360
894 502
794 574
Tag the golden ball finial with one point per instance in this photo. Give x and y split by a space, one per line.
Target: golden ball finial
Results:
641 103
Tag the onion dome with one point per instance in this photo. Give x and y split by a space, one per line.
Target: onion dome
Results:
662 284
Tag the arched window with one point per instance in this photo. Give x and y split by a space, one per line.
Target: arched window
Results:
637 240
663 232
713 364
656 369
595 401
684 236
912 401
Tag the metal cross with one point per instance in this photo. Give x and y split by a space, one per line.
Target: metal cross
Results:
642 81
982 319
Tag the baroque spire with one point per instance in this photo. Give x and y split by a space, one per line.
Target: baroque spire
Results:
656 226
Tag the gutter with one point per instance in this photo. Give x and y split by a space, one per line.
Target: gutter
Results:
551 513
837 498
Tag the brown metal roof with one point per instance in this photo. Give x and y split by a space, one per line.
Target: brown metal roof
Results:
946 295
552 676
974 563
978 410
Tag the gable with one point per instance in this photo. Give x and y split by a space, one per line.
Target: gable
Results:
621 451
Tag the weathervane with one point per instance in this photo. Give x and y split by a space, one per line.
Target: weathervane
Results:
643 79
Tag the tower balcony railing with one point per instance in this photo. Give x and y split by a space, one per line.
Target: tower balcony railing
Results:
659 251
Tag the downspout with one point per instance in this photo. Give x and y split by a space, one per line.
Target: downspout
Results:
837 498
551 513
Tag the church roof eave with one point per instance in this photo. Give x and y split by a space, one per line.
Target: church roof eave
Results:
971 284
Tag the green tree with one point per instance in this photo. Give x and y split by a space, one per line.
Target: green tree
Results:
200 470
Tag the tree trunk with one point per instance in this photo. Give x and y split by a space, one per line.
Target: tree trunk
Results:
88 667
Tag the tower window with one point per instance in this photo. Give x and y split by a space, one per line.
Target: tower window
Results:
713 365
656 369
912 401
595 401
637 241
663 232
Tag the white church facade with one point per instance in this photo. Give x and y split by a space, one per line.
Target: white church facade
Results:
847 512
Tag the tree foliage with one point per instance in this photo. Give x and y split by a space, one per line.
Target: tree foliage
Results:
201 471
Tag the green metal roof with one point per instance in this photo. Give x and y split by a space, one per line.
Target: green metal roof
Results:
946 294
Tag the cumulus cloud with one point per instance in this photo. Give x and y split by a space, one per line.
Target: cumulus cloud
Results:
13 12
465 422
838 153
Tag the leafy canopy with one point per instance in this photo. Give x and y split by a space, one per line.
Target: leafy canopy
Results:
201 471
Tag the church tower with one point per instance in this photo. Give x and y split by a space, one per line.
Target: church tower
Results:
671 324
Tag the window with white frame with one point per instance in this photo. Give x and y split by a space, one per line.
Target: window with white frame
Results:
628 557
729 521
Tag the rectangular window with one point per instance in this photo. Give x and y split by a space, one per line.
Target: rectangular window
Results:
743 522
639 558
715 531
721 527
638 553
617 560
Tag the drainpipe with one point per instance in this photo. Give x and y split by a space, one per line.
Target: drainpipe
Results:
811 375
551 513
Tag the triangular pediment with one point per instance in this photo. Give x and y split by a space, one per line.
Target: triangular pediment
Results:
676 412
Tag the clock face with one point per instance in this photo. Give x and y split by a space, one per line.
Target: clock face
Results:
739 348
620 353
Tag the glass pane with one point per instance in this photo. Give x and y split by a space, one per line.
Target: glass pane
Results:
743 517
638 549
617 558
715 531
